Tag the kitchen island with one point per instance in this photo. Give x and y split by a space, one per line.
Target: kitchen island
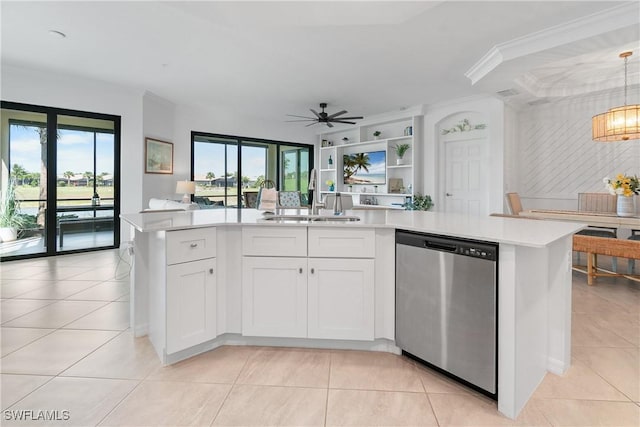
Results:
202 279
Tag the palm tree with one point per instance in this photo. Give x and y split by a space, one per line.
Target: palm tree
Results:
210 176
88 175
19 173
361 161
68 175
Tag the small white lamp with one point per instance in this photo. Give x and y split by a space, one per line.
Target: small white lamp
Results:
187 188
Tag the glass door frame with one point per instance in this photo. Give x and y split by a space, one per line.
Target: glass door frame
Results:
52 114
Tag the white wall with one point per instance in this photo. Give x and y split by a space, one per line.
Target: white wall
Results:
555 157
158 123
76 93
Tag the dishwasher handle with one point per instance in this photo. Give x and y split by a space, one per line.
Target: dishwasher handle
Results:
440 246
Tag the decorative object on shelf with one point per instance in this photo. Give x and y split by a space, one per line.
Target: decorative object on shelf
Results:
325 118
463 126
158 156
401 150
330 184
395 185
345 140
187 188
324 143
95 200
419 203
625 187
408 131
351 188
409 188
330 162
376 134
375 188
619 123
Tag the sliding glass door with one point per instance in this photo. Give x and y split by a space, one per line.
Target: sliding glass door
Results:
60 185
229 171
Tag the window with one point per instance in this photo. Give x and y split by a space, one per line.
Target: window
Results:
229 170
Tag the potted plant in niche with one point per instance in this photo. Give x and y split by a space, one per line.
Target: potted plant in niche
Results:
376 134
10 219
401 150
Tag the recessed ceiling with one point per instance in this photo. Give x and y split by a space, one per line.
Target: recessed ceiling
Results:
267 59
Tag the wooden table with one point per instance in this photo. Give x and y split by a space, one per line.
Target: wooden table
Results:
593 219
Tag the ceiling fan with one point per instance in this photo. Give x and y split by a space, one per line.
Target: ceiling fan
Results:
323 117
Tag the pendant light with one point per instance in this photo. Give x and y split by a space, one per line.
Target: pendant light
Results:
619 123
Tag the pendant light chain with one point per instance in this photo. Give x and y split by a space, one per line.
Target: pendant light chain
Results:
626 59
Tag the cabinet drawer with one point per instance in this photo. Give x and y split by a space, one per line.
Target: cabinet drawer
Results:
341 242
274 241
190 245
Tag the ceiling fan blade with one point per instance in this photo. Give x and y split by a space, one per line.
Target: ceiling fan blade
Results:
337 114
311 124
302 120
302 117
341 121
350 118
314 112
329 124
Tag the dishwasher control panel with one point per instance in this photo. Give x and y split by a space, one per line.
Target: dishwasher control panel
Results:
471 248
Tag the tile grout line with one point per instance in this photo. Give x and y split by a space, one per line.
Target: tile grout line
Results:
244 365
326 403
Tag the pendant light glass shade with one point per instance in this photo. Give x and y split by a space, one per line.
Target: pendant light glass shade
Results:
619 123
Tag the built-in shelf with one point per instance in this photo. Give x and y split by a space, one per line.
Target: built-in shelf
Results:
361 140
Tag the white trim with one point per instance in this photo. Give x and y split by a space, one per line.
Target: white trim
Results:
579 29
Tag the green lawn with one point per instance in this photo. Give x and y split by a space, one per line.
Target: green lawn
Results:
83 194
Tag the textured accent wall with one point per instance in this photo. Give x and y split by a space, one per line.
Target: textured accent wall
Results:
556 158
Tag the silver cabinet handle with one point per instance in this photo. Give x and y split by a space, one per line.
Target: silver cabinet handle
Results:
300 270
448 194
194 245
312 271
211 271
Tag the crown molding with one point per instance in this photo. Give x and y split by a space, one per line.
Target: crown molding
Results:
579 29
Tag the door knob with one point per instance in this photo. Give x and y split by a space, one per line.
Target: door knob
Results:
448 194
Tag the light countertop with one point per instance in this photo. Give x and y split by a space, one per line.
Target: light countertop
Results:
516 231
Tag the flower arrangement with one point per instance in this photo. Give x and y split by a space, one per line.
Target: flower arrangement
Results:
329 182
623 185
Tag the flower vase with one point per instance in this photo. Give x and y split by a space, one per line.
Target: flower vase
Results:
331 187
626 206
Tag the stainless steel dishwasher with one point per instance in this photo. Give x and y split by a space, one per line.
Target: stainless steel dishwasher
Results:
446 306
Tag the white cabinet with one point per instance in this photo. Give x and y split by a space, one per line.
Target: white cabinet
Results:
183 290
341 298
274 297
191 302
317 297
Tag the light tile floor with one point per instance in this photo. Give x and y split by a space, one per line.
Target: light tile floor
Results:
66 346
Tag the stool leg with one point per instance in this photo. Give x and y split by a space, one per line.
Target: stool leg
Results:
592 262
631 265
614 264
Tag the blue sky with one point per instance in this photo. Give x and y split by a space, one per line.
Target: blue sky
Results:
75 150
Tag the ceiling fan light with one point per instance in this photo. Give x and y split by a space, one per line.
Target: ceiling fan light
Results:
617 124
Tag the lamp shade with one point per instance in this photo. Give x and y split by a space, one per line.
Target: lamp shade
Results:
186 187
617 124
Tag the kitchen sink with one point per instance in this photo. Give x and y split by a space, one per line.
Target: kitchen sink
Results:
311 218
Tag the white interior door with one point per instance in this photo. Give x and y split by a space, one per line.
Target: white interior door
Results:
466 183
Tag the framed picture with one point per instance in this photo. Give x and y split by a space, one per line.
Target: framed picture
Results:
395 185
158 156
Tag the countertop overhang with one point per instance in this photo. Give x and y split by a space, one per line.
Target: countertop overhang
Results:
505 230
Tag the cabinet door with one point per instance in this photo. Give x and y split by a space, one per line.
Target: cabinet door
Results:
191 304
341 299
274 297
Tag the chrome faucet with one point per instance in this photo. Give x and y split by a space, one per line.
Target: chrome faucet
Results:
316 205
337 205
